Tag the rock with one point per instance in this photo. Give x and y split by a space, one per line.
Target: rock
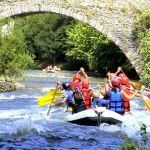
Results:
10 86
7 86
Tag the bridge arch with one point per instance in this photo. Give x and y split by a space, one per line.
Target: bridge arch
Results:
113 18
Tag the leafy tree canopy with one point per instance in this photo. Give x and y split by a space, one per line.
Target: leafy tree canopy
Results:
14 57
45 36
90 46
143 34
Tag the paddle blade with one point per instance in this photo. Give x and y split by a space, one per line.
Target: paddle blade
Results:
147 104
48 98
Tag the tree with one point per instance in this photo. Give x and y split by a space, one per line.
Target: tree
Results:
14 57
142 31
45 36
92 47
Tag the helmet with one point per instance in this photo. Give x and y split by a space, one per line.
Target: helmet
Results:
122 75
66 85
115 82
85 84
77 76
124 79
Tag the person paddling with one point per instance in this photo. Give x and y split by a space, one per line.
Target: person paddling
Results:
82 94
123 77
66 97
125 86
116 95
77 79
88 94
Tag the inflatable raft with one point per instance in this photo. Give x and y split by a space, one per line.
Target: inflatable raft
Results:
93 117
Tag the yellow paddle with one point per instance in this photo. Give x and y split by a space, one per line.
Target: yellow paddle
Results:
147 103
53 98
47 99
146 98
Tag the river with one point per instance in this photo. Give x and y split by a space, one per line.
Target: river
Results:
24 125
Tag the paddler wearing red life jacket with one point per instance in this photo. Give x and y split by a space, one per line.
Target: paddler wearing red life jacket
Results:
77 79
116 95
87 94
125 85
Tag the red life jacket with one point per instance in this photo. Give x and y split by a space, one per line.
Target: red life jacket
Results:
76 84
86 97
124 80
126 101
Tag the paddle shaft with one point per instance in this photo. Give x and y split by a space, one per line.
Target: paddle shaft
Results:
57 87
147 89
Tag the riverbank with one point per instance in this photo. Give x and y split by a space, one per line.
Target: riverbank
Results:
10 86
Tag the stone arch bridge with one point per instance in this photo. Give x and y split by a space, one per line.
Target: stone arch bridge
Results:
113 18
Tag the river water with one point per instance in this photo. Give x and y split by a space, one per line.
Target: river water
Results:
24 125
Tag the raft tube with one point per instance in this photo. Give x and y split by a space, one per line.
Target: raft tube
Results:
93 117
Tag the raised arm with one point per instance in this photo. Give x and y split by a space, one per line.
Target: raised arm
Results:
59 102
130 97
84 74
118 70
99 92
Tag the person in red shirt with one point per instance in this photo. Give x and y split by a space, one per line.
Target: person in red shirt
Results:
125 85
77 79
87 95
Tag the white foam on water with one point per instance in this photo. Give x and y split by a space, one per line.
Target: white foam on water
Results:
6 114
14 121
132 122
9 96
109 128
4 96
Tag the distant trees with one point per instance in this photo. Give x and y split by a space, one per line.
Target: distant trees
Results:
92 47
14 57
45 36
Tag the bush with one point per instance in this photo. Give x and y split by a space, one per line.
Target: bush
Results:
143 34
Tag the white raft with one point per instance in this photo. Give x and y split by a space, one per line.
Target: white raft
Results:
93 117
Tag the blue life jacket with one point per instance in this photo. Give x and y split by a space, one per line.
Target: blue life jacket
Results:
116 101
68 94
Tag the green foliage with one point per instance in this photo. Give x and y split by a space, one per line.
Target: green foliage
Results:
133 144
90 46
129 145
83 40
45 36
14 57
143 34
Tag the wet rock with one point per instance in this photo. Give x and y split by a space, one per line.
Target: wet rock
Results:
10 86
7 86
